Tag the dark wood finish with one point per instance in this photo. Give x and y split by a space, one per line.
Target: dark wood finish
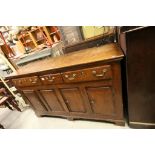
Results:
73 99
78 59
89 43
101 100
52 100
139 46
27 81
34 100
94 93
51 79
91 74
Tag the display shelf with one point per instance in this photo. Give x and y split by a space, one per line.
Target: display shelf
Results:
38 36
27 41
52 33
40 40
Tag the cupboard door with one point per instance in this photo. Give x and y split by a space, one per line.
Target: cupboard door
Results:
73 99
101 100
34 100
52 100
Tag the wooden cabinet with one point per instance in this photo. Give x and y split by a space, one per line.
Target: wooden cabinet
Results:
35 101
27 81
89 74
73 99
51 100
74 86
101 100
139 47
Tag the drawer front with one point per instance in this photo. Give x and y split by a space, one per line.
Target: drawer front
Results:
90 74
51 79
27 81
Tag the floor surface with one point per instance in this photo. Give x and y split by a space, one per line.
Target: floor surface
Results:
28 120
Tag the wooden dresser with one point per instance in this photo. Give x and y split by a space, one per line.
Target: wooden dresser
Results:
84 84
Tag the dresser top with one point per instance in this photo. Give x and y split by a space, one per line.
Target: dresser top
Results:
106 52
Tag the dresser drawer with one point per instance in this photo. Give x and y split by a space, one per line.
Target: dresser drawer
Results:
90 74
51 79
27 81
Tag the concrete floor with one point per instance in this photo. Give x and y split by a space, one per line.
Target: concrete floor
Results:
28 120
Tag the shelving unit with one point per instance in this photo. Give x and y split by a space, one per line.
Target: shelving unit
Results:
38 36
5 47
52 33
27 41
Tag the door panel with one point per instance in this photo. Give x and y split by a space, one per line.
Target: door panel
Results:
101 100
52 100
73 99
34 100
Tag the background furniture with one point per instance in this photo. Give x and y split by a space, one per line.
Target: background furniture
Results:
55 50
95 31
81 37
85 84
5 47
27 41
52 33
7 100
31 39
138 45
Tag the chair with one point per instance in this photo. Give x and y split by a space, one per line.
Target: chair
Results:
7 100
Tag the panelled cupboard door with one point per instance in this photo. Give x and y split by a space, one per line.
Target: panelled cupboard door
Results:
101 100
73 99
51 99
34 100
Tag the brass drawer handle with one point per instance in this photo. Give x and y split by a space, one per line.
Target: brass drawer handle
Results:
99 75
70 78
48 78
34 82
51 80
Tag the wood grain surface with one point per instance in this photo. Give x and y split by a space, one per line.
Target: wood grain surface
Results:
103 53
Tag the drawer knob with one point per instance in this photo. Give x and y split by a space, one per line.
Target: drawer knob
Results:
70 77
99 75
